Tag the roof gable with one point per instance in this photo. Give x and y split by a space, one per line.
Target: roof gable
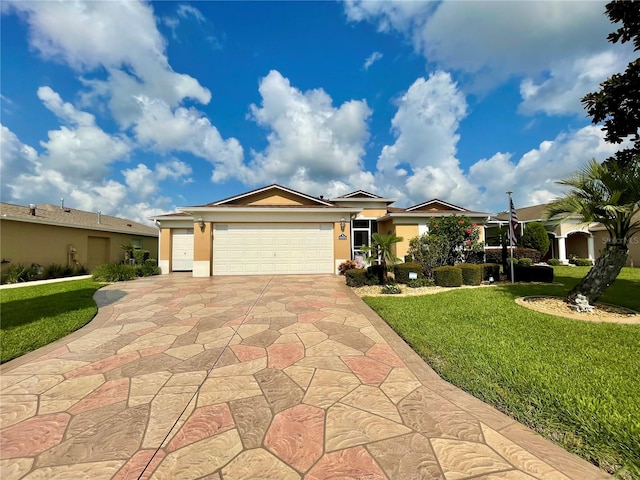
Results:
436 205
360 194
271 195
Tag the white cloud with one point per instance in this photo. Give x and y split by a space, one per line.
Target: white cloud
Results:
185 11
422 160
500 37
16 159
533 177
81 151
145 183
371 59
568 82
311 142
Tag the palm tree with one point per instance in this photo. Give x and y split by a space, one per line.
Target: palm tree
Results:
610 195
381 249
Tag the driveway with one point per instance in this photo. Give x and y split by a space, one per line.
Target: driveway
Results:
270 377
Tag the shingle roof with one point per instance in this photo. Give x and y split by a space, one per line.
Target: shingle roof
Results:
526 214
71 217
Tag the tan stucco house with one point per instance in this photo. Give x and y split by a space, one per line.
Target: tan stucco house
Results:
277 230
569 236
47 234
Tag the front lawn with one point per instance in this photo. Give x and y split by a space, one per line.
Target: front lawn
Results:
37 315
575 382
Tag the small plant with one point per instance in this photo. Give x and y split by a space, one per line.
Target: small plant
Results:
149 268
582 262
391 289
21 273
525 262
554 262
346 265
420 282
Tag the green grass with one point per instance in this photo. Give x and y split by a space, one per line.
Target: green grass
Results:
575 382
37 315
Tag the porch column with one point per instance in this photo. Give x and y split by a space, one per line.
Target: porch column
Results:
591 249
562 250
202 249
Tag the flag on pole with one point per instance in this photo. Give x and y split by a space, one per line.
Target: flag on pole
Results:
513 223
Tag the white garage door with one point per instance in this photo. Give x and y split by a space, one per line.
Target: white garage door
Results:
182 249
249 249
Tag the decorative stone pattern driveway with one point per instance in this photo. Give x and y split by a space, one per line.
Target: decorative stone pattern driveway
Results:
284 377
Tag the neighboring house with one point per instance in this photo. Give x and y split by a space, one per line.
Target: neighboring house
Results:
568 235
47 234
277 230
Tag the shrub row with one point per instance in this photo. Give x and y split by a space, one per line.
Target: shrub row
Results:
360 277
581 262
494 255
119 272
25 273
538 273
490 270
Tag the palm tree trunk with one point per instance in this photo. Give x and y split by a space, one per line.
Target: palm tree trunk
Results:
602 274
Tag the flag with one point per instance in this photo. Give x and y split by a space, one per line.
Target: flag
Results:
513 223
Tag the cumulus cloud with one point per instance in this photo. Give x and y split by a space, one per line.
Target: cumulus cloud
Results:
422 160
568 82
371 59
311 142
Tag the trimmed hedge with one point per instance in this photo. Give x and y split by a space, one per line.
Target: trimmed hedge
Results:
471 273
525 262
378 272
360 277
494 255
538 273
114 272
490 270
447 276
554 262
581 262
401 271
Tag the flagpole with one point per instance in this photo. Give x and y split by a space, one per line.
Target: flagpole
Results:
511 235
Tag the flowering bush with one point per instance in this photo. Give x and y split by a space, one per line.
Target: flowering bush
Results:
347 265
461 234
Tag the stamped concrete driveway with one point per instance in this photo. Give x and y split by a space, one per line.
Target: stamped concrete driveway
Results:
278 378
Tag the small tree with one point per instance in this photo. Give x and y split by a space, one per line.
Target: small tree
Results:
461 234
382 250
430 251
535 236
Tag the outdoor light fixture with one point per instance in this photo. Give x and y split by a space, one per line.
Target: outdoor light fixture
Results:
201 224
343 222
491 280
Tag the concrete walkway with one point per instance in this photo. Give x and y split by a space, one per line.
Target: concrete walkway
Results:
282 377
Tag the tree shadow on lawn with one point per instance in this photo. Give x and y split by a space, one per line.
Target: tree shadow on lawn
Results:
623 292
20 312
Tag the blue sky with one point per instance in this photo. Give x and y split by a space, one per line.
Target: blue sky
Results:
135 108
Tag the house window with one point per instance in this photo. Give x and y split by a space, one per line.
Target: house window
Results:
361 235
136 242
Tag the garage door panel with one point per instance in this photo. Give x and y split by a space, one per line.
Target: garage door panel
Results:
272 249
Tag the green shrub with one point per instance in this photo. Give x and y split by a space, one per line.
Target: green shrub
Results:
346 265
447 276
581 262
538 273
402 270
553 262
525 262
149 268
471 273
114 272
490 270
140 256
535 236
377 272
430 251
391 289
21 273
360 277
420 282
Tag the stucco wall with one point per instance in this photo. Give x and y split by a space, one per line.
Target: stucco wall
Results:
407 232
601 237
341 248
28 243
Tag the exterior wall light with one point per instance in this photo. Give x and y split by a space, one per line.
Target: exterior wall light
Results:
201 224
343 223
